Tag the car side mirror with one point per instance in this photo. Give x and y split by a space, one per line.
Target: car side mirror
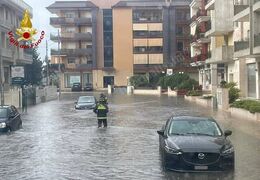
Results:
12 115
161 132
227 133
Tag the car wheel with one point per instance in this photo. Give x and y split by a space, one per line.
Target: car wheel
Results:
20 126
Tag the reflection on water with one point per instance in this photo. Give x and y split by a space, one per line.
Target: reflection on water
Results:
59 142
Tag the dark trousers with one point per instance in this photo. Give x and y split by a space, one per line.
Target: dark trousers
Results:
100 121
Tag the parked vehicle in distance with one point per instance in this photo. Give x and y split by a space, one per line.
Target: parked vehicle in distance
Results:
85 102
195 144
88 87
76 87
10 118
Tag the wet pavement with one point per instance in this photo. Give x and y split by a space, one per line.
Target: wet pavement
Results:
59 142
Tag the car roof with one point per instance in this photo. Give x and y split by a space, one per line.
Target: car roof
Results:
192 118
86 96
5 106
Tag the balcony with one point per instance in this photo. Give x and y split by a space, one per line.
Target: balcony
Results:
199 39
72 37
210 4
72 52
63 21
148 34
147 20
5 24
21 5
84 66
241 49
200 16
222 54
241 12
256 6
199 58
6 52
256 44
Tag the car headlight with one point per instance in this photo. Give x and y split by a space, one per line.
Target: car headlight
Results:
228 150
2 125
172 150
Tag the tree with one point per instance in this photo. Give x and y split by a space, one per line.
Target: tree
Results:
33 72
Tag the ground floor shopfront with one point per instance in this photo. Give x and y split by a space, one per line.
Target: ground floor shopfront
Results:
244 72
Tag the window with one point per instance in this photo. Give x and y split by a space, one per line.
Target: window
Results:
70 15
71 60
179 30
108 40
107 12
107 24
179 46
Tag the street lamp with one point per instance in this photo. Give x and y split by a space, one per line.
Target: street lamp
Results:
1 77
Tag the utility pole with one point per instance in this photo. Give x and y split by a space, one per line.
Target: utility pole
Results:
2 77
47 64
59 64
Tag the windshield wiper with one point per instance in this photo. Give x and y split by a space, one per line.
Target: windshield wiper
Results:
178 134
200 134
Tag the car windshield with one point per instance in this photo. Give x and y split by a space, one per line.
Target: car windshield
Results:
3 112
86 99
76 84
194 127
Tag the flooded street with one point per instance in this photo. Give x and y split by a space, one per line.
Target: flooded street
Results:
59 142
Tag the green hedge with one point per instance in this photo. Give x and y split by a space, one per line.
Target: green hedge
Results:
250 105
194 93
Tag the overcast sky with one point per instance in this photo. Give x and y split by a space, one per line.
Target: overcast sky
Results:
41 19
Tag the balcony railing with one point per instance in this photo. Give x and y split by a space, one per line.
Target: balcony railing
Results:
200 57
198 36
241 45
22 4
208 26
198 14
72 37
72 52
84 66
147 19
257 40
147 34
70 21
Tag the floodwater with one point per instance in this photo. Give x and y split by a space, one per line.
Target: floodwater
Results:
59 142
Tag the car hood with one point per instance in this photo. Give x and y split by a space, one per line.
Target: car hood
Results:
3 119
85 103
197 143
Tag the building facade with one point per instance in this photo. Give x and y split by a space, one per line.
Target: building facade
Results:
233 46
127 37
11 14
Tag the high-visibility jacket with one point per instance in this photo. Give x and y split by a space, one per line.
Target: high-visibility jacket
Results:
101 110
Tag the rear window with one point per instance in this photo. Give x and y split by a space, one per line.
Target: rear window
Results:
86 99
3 112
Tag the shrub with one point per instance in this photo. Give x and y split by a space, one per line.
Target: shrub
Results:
233 92
250 105
139 81
179 81
194 93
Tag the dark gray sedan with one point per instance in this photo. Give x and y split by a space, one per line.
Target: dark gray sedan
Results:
10 119
85 102
195 144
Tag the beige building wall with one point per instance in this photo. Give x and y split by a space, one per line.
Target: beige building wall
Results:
123 45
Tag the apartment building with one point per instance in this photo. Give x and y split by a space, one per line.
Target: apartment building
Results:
212 46
77 25
124 38
247 46
200 43
11 14
149 36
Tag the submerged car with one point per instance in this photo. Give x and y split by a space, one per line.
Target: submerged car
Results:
76 87
88 87
195 144
10 119
85 102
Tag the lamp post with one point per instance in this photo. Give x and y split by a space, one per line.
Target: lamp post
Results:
2 77
59 64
